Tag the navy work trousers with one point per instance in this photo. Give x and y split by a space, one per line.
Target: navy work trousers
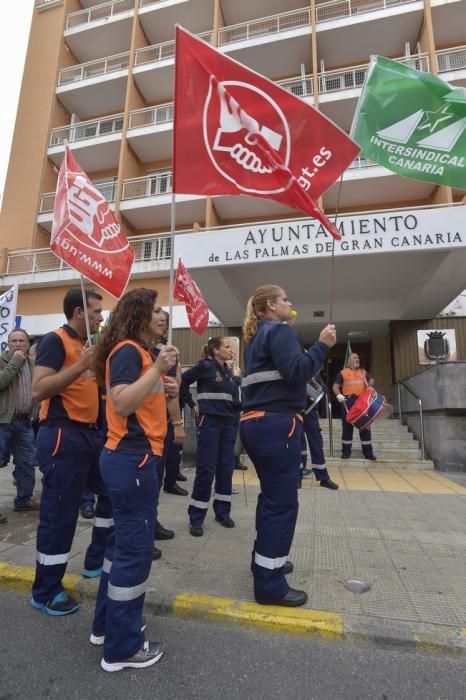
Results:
215 459
68 459
17 439
170 464
273 442
312 431
347 434
132 482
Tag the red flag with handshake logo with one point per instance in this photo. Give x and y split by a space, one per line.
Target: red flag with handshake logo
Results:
236 132
85 232
186 290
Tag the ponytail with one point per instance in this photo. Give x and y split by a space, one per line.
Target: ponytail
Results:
212 344
257 308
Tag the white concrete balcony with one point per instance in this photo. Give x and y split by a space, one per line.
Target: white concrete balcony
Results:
250 42
158 17
94 87
150 132
95 143
153 69
351 29
101 29
146 202
47 202
41 267
451 65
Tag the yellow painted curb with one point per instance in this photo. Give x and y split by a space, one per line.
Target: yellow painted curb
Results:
20 578
315 623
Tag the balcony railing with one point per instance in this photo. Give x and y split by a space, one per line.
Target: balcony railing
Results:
301 87
275 24
146 249
144 3
451 59
361 163
151 116
86 130
93 14
93 68
148 186
336 9
164 51
350 78
108 189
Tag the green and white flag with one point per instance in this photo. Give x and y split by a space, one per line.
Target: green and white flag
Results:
412 123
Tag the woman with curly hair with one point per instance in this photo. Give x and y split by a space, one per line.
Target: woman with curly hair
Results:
136 418
273 395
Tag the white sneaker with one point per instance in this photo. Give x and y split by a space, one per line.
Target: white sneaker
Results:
147 655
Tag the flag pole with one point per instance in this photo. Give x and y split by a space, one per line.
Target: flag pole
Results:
332 258
172 266
86 314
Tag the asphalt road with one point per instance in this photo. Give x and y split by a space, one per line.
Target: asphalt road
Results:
44 657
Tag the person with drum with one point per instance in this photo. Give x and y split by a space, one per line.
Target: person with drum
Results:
349 384
313 432
274 394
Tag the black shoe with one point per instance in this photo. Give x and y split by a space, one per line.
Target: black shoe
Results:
147 655
161 533
181 477
288 568
226 522
372 458
329 484
241 467
156 553
175 490
343 456
62 604
88 512
293 599
196 530
26 506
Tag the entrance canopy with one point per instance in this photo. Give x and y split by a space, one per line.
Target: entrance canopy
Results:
389 265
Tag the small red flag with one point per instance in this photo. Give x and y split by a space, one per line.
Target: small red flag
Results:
236 132
85 232
186 290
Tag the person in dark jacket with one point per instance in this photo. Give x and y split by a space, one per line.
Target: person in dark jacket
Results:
273 395
217 397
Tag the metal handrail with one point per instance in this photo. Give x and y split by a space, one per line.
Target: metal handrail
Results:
98 12
421 415
330 427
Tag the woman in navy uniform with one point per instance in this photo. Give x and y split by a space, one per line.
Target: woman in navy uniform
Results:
217 398
137 424
273 395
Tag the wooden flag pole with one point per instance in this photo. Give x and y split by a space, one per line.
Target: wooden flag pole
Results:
332 258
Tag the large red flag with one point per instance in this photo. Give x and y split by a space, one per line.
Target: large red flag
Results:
85 232
236 132
186 290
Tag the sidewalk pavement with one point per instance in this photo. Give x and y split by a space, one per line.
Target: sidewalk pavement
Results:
401 531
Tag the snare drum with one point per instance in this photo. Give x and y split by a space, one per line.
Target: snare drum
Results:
314 396
366 409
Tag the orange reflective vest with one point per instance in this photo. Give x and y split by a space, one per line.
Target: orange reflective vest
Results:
354 381
80 399
147 426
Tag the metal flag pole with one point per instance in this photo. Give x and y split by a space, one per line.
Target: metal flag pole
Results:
172 267
332 258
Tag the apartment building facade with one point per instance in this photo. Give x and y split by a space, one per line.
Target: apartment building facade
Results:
99 75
